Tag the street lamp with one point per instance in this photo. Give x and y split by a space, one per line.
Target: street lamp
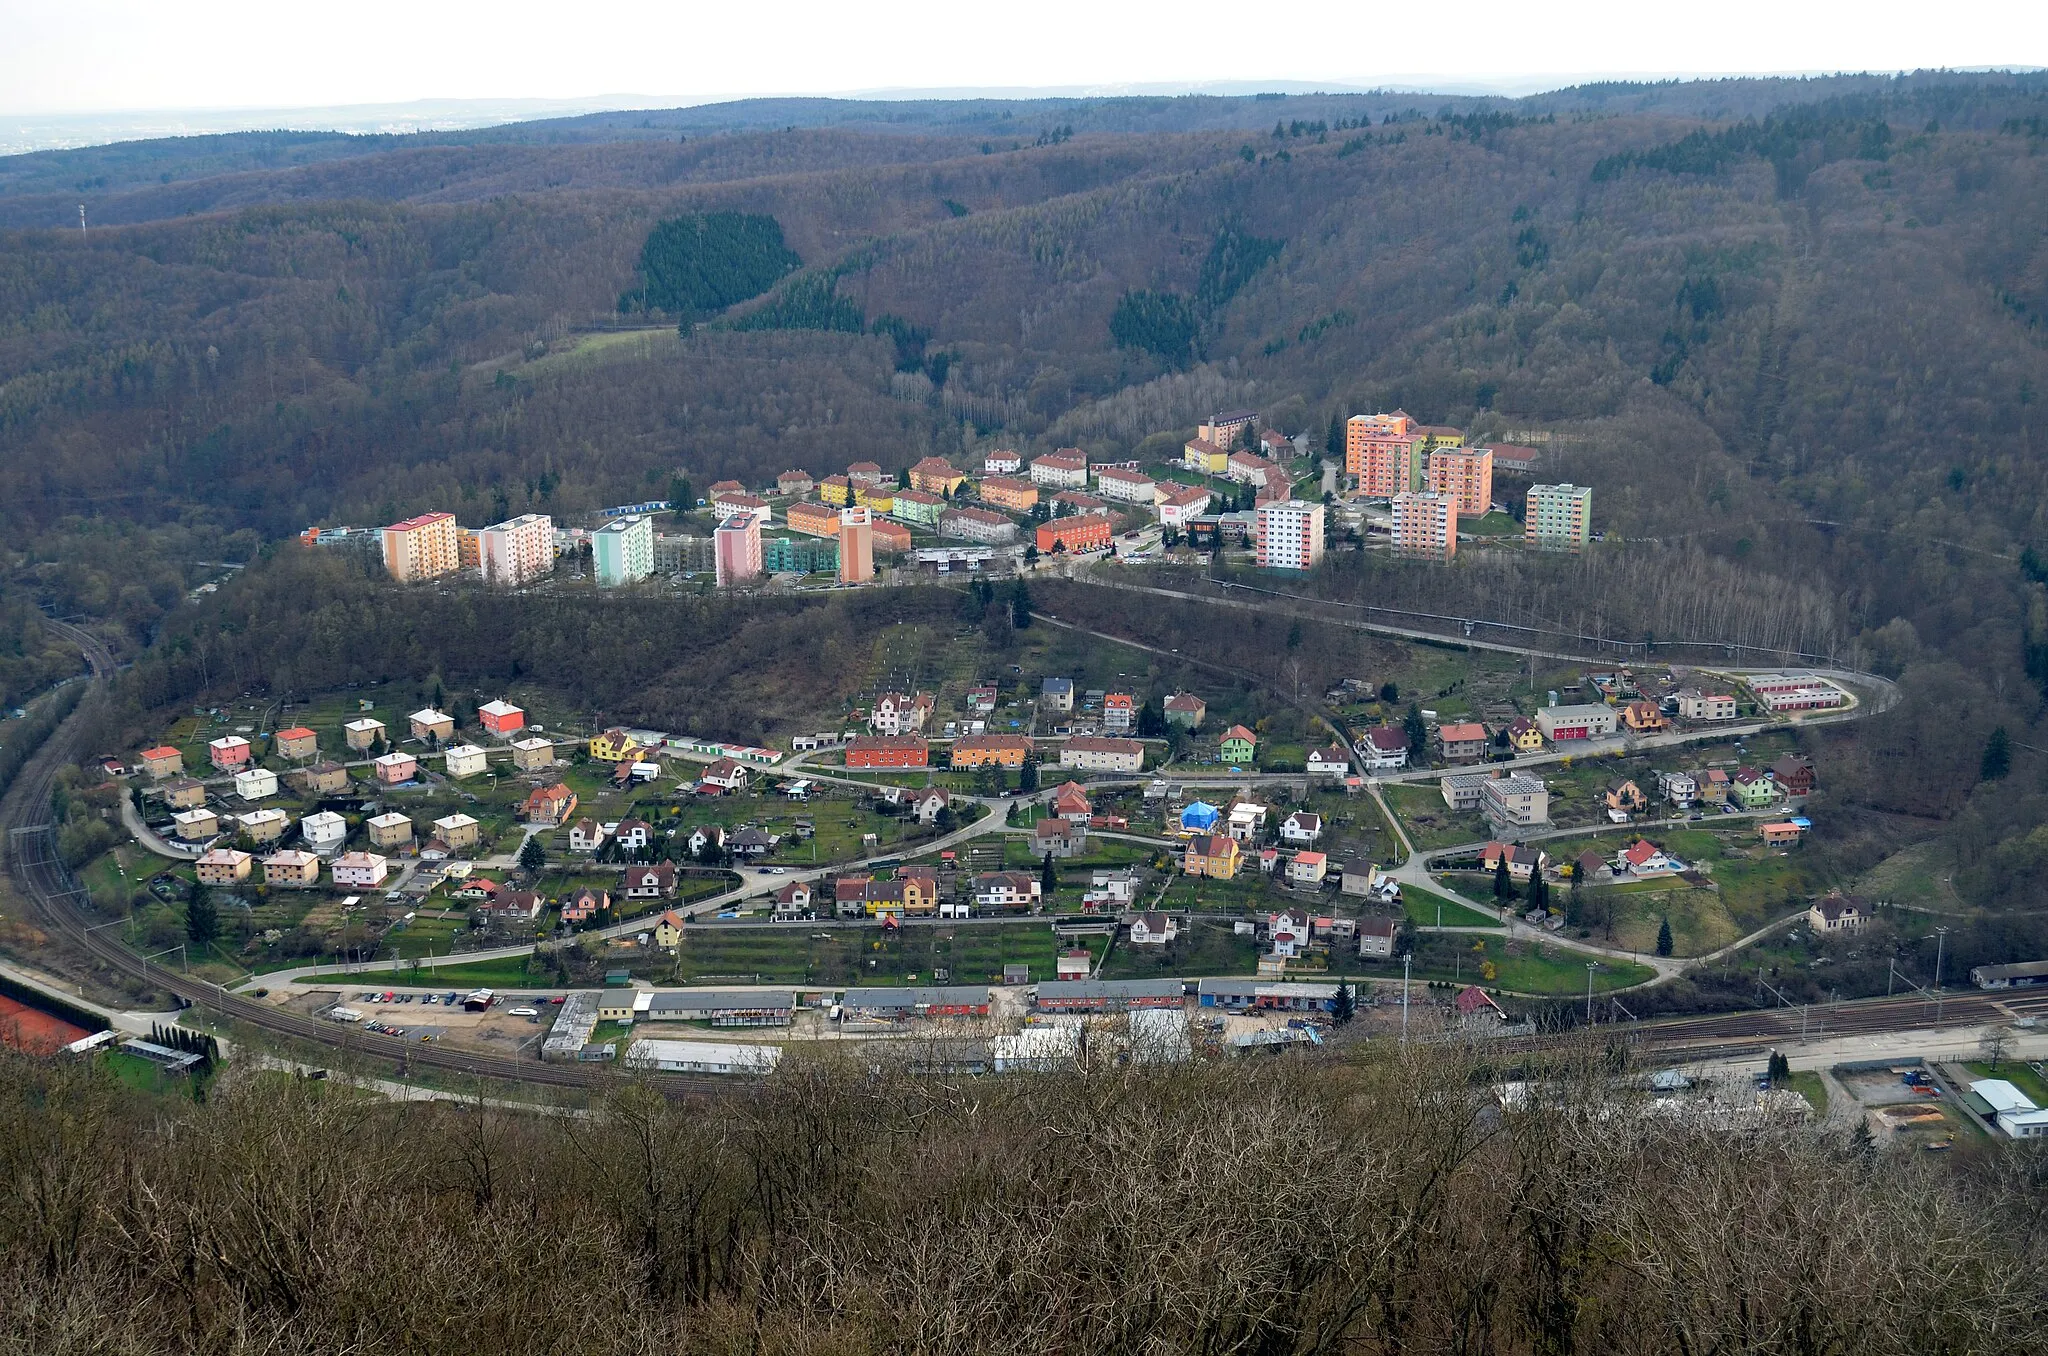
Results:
1591 966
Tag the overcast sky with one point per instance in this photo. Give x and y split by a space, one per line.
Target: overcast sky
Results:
98 55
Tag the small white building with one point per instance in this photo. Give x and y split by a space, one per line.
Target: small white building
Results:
702 1057
360 870
323 831
1301 829
466 760
256 783
1154 929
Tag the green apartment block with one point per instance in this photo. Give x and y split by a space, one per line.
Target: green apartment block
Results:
622 551
1559 516
799 555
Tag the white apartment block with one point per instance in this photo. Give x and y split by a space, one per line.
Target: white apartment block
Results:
516 551
1128 486
1290 534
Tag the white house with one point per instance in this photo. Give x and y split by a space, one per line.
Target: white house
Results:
256 783
1331 762
586 835
1153 929
927 804
727 775
1382 748
1679 788
1301 829
324 830
465 760
365 870
1247 821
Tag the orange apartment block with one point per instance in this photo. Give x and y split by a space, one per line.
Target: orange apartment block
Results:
991 750
1381 453
1466 475
1088 532
1425 525
422 548
888 751
1018 496
469 553
813 520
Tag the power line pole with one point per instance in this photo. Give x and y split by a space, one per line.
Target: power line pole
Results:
1406 961
1591 966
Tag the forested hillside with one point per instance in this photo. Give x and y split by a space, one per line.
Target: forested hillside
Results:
1792 331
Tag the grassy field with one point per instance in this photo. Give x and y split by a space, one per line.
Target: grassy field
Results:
1429 822
2016 1072
498 974
1807 1083
1546 968
1424 909
1205 947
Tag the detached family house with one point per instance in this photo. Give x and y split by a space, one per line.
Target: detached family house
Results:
1383 748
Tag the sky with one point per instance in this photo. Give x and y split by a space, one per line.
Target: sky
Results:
93 56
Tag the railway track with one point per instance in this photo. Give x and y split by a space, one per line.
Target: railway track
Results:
66 909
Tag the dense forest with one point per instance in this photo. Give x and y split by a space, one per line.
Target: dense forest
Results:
1362 1202
1791 330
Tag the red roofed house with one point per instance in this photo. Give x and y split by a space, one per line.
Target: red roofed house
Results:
297 744
1463 742
1473 1000
551 805
1119 711
1177 506
656 881
794 483
1644 858
725 775
163 761
1070 803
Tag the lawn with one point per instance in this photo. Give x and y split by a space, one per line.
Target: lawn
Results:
1548 969
1426 908
1204 947
1429 822
1807 1083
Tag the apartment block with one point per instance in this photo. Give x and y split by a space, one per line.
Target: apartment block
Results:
622 551
977 524
1066 469
1289 534
516 551
1018 496
1382 454
1425 525
797 555
675 553
422 548
736 549
1088 533
1466 475
1122 483
856 546
1519 801
918 506
1226 428
1559 516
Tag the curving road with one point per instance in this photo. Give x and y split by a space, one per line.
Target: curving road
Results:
65 908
